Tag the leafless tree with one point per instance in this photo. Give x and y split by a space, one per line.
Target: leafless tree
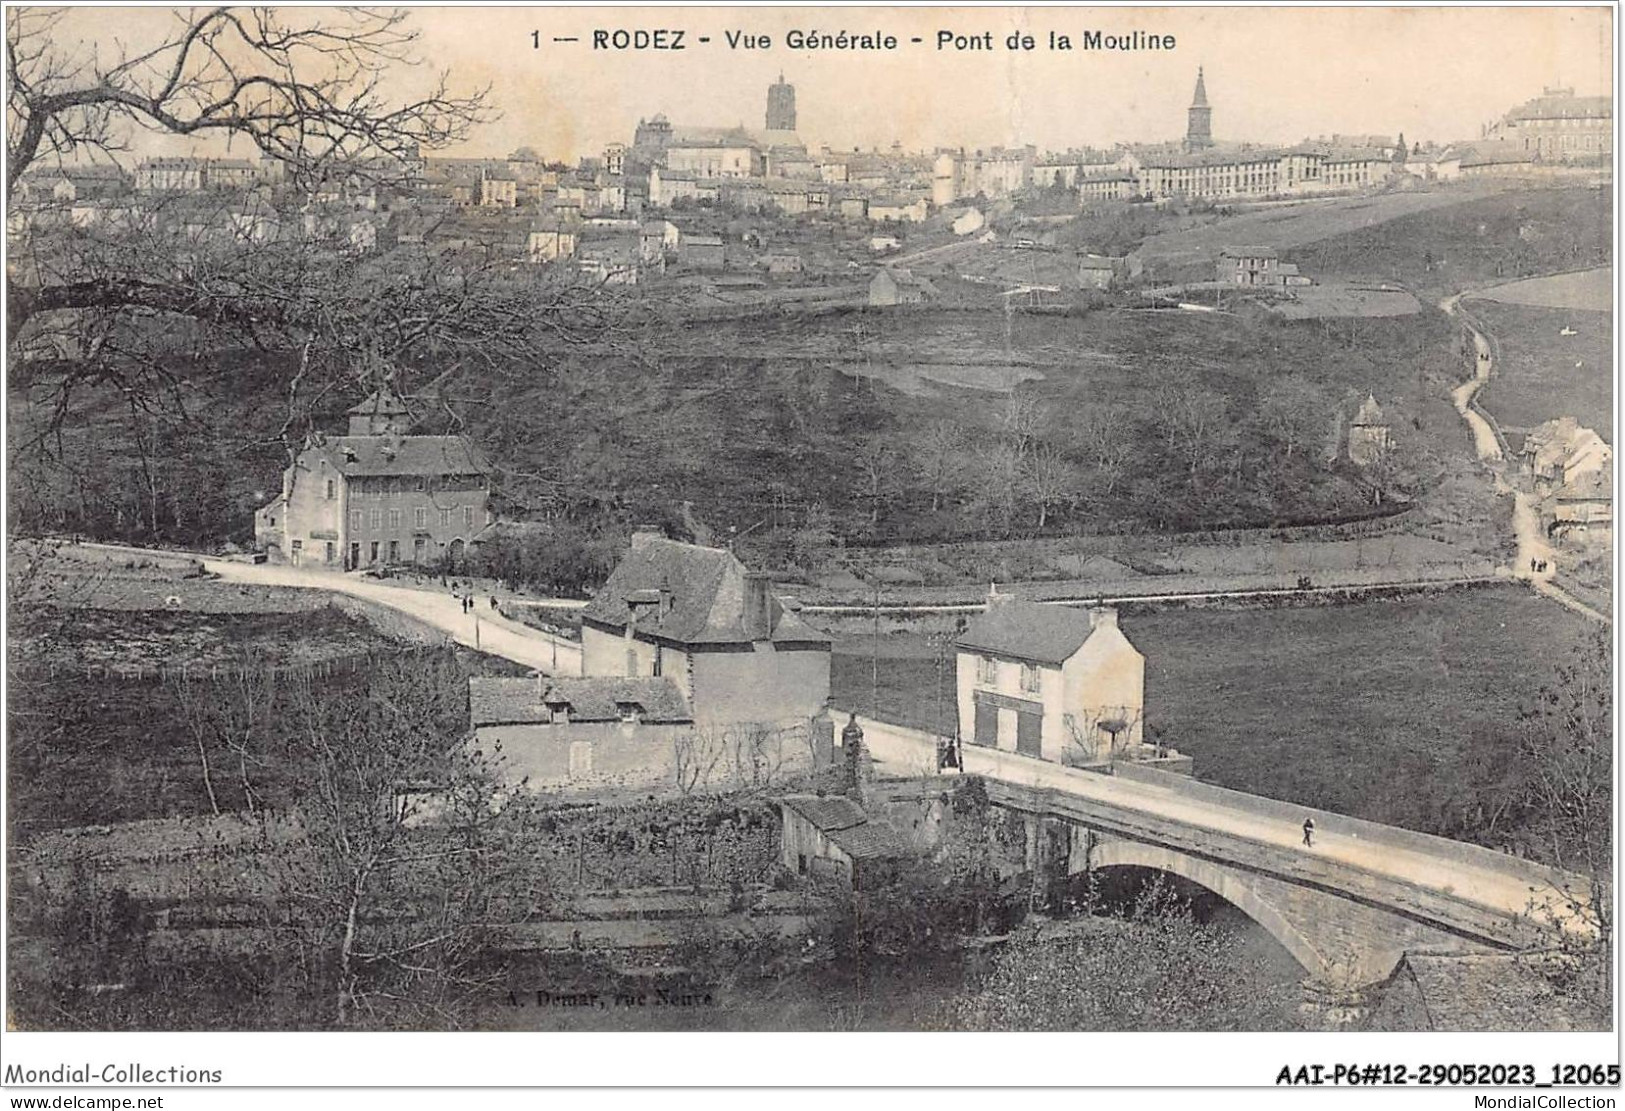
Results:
938 452
228 709
408 866
1292 413
876 462
1020 419
1050 479
1566 753
696 755
1108 439
996 482
306 89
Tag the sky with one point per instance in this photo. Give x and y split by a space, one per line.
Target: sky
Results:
1273 75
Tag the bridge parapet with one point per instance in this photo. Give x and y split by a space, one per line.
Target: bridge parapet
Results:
1441 908
1329 824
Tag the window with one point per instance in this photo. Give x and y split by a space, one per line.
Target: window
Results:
1030 682
331 492
468 514
355 518
987 669
420 517
372 552
631 661
445 518
394 518
375 517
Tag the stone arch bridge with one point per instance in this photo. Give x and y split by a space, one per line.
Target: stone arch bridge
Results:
1346 909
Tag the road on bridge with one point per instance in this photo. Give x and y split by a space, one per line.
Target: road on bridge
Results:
484 629
905 751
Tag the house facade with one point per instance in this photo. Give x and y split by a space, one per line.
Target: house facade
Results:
376 496
695 615
898 287
1049 682
578 734
1559 453
1249 266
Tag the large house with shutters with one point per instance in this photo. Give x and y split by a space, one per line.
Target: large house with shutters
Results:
1050 682
376 496
697 616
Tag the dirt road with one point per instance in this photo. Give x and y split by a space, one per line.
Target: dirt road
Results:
485 629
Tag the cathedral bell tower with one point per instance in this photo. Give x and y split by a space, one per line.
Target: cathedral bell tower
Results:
1199 129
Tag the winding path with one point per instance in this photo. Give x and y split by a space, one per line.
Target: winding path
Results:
1536 561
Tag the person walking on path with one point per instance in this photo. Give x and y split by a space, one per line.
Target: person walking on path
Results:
1309 833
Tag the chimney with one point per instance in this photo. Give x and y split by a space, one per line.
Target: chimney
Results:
758 616
1102 617
642 534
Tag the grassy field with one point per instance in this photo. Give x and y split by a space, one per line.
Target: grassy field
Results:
1592 290
1482 240
1367 709
1542 374
1287 226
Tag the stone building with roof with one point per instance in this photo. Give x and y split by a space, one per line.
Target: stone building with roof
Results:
833 835
695 615
1050 682
1369 433
572 733
377 495
1558 126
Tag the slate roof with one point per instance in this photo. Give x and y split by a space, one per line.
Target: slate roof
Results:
1592 487
707 591
1028 631
381 403
401 455
1564 107
511 701
848 827
1493 152
1489 992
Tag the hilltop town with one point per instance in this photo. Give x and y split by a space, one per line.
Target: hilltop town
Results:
685 568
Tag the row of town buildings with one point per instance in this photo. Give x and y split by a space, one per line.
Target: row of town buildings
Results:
616 217
1553 133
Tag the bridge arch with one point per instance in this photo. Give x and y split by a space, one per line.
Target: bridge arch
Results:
1226 884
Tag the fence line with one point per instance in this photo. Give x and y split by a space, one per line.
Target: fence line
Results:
160 673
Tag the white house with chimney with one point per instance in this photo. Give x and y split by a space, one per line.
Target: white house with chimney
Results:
1050 681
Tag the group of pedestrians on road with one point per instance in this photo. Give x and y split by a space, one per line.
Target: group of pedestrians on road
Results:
469 603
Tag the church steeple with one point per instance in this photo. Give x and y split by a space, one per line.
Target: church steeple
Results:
1199 128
